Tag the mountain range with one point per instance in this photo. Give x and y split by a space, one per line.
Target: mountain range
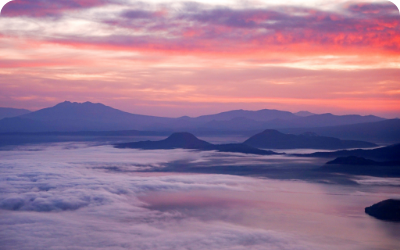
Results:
72 116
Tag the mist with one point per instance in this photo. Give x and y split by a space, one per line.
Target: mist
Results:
77 196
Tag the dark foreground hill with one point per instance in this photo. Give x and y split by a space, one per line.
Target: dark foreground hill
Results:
176 140
189 141
388 210
273 139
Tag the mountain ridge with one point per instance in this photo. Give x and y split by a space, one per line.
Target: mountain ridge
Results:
12 112
273 139
87 116
380 131
387 153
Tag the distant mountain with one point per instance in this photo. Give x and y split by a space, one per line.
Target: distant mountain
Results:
273 139
189 141
11 112
68 116
381 131
260 115
274 120
389 153
304 113
86 116
328 119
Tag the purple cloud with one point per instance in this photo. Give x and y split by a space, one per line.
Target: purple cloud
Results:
48 8
369 25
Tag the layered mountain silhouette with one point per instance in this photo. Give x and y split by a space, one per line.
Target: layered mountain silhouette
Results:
273 139
189 141
304 113
388 153
86 116
246 123
328 119
72 116
260 115
360 161
11 112
381 131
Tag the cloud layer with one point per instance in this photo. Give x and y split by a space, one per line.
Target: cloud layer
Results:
65 196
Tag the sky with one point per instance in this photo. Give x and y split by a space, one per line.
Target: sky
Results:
175 58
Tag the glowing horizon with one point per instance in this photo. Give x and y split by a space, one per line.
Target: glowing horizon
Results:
175 58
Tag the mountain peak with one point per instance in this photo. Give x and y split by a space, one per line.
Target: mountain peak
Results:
271 132
176 140
182 137
69 103
184 140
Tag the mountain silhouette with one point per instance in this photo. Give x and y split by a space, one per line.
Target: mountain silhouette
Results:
304 113
388 153
186 140
72 116
274 139
388 210
387 131
246 121
355 160
11 112
176 140
328 119
68 116
260 115
356 165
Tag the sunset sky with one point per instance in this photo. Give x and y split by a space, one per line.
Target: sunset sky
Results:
175 58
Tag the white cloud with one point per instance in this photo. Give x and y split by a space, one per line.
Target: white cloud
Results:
67 196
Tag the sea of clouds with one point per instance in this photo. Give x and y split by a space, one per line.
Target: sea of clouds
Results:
74 196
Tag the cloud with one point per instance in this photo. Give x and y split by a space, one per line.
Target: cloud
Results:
200 28
57 196
226 30
48 8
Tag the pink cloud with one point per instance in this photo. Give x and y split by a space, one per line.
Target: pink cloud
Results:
369 29
358 29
